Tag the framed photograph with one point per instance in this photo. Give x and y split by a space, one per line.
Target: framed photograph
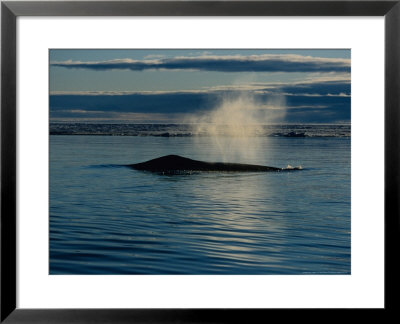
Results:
198 161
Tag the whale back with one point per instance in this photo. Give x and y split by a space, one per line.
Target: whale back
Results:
176 163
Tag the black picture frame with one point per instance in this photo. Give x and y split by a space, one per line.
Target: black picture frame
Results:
10 10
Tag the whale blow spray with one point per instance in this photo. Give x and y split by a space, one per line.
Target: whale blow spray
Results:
237 122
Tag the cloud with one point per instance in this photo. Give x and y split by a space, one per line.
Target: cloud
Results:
154 56
318 101
226 63
333 86
112 116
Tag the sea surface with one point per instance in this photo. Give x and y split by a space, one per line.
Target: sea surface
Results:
106 218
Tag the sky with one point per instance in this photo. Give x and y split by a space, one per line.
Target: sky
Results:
180 86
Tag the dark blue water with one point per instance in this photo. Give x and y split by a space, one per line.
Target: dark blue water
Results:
109 219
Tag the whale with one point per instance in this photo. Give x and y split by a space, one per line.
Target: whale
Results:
177 164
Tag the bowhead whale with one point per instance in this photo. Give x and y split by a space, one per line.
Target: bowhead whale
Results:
176 164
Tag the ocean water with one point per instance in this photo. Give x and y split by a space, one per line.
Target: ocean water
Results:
108 219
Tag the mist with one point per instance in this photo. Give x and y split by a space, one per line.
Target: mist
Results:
236 123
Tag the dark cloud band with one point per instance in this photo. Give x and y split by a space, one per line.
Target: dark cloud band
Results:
307 102
254 63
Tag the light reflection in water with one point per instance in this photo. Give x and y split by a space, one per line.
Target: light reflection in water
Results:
232 217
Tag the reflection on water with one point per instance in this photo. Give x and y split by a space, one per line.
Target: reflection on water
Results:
229 219
114 220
